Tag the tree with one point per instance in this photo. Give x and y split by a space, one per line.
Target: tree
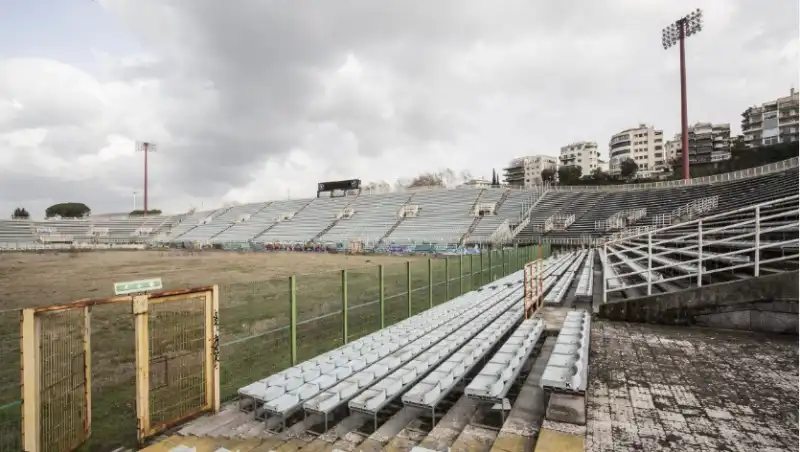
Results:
427 180
569 174
548 175
20 214
68 210
628 168
598 175
140 212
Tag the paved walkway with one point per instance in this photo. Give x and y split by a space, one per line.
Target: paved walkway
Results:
657 388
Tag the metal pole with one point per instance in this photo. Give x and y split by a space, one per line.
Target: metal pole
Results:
757 269
684 114
430 283
699 253
605 275
344 307
293 320
408 287
650 264
447 278
381 297
145 177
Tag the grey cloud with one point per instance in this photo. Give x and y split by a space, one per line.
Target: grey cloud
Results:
242 84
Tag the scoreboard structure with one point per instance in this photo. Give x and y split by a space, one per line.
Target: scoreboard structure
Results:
339 185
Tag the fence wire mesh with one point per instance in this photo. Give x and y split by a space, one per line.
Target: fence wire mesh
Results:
254 332
10 397
62 382
177 358
363 302
319 313
420 299
395 280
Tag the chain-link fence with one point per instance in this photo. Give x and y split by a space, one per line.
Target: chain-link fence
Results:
265 326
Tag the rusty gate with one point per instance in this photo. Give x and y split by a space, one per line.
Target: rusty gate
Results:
177 365
533 287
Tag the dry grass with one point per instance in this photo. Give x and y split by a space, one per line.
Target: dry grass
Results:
39 279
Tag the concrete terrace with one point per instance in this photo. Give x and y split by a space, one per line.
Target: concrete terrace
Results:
651 388
666 388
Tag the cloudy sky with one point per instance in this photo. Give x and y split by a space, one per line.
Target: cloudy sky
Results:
259 99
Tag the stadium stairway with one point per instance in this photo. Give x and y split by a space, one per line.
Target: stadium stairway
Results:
337 219
396 224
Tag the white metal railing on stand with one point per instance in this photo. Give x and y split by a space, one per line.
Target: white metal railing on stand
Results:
684 254
688 211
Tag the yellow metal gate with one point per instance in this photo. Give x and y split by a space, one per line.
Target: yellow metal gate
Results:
177 365
177 357
56 383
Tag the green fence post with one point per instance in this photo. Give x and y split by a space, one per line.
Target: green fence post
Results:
461 274
447 278
381 298
503 264
344 306
293 320
430 283
491 269
471 272
408 286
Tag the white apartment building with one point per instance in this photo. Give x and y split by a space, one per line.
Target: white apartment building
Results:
772 122
478 183
643 144
527 171
707 143
583 154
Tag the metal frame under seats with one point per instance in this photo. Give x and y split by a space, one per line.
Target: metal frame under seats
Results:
568 366
495 379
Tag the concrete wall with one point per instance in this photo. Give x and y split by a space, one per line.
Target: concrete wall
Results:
768 303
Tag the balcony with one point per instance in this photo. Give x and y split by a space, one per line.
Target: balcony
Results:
620 144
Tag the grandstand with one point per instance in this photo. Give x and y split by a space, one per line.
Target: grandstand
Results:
446 217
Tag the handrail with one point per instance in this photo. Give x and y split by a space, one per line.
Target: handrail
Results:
746 173
699 249
749 208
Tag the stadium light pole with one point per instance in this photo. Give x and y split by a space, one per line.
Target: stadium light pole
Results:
677 32
146 147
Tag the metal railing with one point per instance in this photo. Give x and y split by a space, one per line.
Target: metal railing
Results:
705 180
620 219
726 246
687 211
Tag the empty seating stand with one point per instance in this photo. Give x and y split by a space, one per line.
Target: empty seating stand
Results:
444 217
567 368
328 381
496 377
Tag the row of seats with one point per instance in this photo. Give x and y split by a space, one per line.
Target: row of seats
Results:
591 207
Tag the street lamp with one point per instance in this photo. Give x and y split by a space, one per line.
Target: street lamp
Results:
676 33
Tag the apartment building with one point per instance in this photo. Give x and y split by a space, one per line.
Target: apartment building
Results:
527 171
772 122
644 144
707 143
583 154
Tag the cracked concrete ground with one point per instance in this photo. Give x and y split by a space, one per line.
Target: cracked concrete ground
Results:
662 388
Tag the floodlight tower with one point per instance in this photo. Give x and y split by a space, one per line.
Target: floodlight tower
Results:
677 32
146 147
